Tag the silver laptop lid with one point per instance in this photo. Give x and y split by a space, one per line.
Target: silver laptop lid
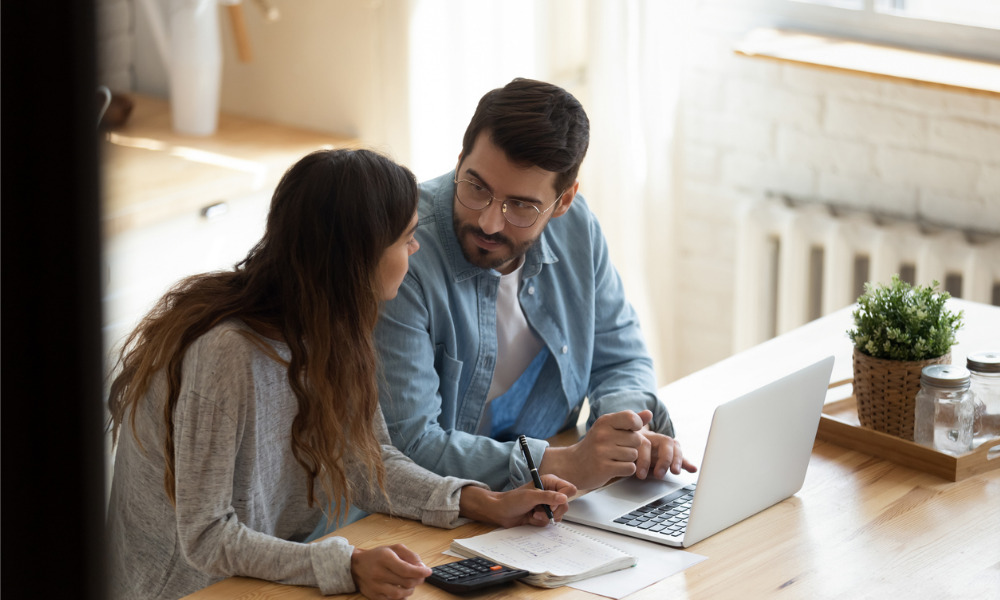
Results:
758 450
757 453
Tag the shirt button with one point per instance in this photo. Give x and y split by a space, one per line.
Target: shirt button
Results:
565 349
531 290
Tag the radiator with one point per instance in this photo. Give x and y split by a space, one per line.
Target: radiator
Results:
795 263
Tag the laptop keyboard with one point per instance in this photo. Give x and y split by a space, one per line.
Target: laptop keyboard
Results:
667 515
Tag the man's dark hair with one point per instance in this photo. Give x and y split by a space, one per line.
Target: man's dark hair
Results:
534 123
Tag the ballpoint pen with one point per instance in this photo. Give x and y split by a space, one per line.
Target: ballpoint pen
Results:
534 474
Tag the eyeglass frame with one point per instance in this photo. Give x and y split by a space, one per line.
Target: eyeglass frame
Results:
503 204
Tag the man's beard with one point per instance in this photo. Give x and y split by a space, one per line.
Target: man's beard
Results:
484 258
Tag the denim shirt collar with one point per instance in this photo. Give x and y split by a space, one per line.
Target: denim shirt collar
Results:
443 204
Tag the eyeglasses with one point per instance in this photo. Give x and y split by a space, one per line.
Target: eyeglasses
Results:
518 213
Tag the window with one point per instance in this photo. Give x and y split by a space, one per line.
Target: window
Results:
961 27
981 13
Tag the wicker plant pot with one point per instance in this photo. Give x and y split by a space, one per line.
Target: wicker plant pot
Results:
886 389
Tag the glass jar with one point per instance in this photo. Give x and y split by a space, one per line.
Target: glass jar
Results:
945 409
984 368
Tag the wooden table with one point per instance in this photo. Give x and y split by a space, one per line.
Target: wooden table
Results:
861 527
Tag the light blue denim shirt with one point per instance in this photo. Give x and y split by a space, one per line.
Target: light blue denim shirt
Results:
437 344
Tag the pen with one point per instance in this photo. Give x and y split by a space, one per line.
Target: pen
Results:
534 474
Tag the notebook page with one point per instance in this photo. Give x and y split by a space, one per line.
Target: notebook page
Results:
557 550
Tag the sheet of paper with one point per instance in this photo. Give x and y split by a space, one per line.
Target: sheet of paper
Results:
655 562
562 550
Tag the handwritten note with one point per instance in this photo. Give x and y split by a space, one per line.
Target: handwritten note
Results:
554 555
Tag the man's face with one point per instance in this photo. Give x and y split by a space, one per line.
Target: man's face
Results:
486 238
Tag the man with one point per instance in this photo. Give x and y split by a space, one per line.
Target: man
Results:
511 314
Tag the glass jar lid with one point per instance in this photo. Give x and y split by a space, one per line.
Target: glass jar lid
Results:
984 362
944 375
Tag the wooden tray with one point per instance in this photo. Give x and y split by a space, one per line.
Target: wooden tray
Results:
839 425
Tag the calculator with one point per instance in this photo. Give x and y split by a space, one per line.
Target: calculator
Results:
472 574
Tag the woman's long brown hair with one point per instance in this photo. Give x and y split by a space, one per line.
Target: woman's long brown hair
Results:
313 277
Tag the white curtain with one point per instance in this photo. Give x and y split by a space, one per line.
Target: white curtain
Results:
635 54
459 50
622 59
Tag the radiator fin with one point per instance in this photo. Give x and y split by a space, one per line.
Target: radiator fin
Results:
797 263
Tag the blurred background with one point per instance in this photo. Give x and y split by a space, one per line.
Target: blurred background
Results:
753 162
714 154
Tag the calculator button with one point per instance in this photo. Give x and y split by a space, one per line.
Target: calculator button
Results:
472 574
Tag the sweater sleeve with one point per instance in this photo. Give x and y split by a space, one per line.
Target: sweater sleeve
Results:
412 491
208 423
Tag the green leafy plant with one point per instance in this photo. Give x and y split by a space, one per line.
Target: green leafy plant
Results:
901 322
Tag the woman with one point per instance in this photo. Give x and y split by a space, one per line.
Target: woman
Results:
247 403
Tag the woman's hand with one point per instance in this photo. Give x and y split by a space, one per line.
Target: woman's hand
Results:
387 572
521 506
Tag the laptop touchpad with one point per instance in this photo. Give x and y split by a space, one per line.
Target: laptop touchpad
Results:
640 490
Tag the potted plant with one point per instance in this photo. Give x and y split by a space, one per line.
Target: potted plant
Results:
898 330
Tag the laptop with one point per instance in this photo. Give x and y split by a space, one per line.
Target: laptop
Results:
756 455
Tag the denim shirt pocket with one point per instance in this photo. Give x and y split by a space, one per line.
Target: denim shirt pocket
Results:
449 373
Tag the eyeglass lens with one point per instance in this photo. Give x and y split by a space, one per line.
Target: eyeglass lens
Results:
477 197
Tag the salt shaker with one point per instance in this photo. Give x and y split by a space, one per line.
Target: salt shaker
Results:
984 368
944 410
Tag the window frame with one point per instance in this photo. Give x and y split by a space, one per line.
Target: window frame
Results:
867 25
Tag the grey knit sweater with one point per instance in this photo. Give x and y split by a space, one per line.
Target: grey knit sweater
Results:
241 496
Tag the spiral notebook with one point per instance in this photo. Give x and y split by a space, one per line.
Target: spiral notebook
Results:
554 555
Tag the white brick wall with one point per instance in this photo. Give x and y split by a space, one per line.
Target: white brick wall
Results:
989 183
969 138
751 127
861 191
824 153
929 171
873 122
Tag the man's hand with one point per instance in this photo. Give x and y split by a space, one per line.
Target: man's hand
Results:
617 445
660 452
520 506
387 572
609 450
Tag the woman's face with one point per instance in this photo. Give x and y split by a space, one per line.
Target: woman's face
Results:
395 260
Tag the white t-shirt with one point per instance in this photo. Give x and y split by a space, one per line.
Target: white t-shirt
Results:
517 344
